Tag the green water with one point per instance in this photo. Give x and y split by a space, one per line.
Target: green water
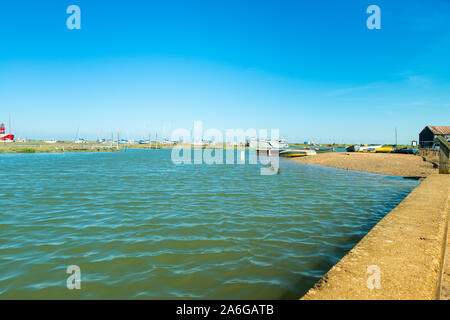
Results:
139 226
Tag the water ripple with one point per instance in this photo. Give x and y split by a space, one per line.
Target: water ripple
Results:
141 227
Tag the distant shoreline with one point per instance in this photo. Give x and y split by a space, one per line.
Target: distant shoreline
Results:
58 147
41 146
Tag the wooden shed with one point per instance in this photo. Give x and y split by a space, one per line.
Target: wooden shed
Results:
429 135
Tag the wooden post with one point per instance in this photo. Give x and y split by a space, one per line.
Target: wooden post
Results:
444 149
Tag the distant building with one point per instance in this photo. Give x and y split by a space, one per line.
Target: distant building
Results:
429 135
4 137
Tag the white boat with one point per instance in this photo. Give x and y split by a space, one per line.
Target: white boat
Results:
168 142
370 148
268 144
363 147
50 141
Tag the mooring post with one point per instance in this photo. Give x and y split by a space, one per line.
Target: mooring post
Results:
444 149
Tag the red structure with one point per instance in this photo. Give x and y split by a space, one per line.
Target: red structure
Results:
5 137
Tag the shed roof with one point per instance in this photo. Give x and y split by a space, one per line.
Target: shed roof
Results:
440 129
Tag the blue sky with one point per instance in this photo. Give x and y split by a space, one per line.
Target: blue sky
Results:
309 68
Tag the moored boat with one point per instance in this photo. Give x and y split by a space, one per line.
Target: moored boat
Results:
363 147
268 144
292 153
323 150
384 149
406 151
354 148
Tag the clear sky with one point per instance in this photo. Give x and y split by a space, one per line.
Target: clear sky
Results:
309 68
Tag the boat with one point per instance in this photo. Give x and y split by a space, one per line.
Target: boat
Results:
50 141
406 151
322 150
370 147
171 143
354 148
293 153
384 149
363 147
268 144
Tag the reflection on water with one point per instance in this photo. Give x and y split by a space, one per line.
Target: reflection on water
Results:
139 226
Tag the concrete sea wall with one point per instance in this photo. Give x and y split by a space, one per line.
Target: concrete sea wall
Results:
402 257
